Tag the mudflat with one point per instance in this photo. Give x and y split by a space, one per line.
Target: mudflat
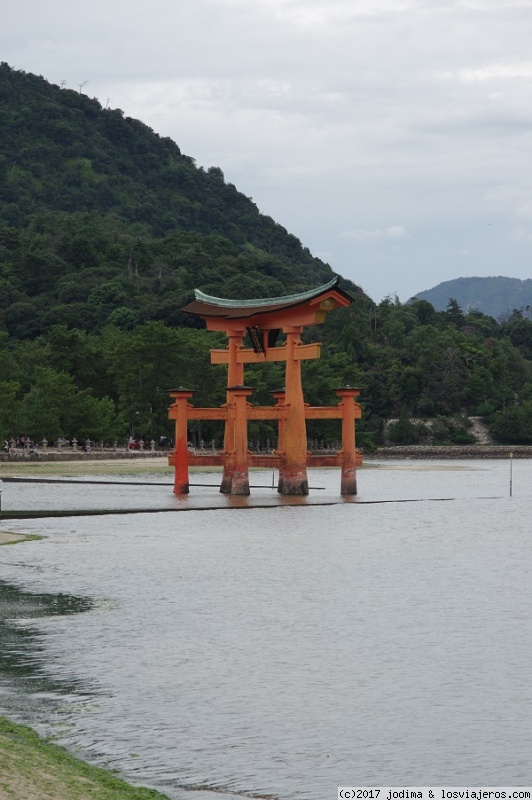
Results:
126 466
11 538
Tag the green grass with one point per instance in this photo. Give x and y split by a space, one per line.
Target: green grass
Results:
20 537
32 768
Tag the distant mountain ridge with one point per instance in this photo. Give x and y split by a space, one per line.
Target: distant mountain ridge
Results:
495 296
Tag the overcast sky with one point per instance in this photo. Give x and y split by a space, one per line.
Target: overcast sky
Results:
393 137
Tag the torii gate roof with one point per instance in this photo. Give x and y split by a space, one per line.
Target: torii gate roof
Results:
207 306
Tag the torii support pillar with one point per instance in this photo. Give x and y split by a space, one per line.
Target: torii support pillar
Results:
280 396
294 460
238 454
180 413
351 411
235 377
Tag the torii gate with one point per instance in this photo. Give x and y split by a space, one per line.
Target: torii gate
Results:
264 320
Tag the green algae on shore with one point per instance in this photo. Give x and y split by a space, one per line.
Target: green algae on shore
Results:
7 537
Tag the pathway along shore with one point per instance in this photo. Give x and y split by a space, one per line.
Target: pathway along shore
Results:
160 458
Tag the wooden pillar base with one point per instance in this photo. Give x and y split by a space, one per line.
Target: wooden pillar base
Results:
240 483
282 470
227 479
349 481
181 487
294 482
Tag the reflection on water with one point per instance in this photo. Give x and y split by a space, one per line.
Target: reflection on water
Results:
388 481
288 650
25 686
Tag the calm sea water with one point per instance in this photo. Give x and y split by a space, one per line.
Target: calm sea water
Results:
283 651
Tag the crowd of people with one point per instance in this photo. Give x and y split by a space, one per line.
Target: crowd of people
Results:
23 442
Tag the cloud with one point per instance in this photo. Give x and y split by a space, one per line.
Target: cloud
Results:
520 235
515 201
363 235
497 71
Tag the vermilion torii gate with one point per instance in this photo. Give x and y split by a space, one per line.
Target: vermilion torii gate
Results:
264 320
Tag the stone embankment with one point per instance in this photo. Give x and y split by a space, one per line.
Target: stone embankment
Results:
27 456
392 452
451 451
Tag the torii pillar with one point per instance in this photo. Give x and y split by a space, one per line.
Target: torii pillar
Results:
235 377
349 454
294 456
179 412
239 456
280 396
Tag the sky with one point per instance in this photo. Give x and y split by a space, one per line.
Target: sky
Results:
392 137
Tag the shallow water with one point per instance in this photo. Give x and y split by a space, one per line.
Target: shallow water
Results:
288 650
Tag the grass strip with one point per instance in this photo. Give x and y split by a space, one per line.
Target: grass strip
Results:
32 768
6 537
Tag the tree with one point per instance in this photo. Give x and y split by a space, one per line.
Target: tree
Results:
153 358
454 313
513 425
404 431
54 408
9 409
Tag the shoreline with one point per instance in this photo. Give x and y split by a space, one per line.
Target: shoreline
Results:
137 459
82 467
481 451
31 766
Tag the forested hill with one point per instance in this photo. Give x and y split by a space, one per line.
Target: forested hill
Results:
103 220
105 231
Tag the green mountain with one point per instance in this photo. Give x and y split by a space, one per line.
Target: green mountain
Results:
103 220
496 296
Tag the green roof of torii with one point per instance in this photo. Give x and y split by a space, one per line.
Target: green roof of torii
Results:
206 305
267 301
